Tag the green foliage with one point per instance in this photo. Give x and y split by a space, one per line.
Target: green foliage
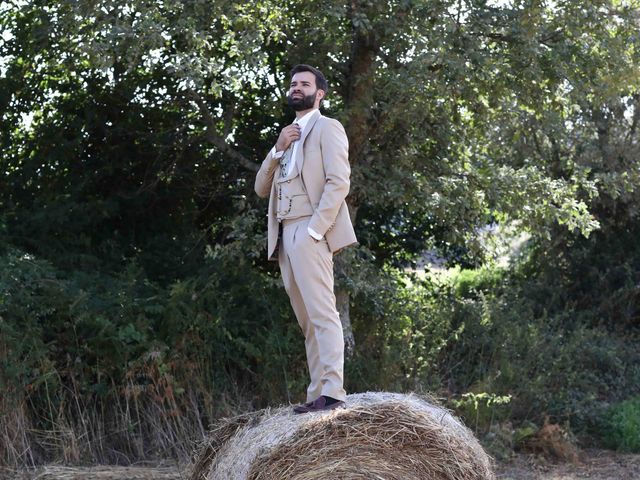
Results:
78 347
401 325
526 339
480 410
622 426
469 283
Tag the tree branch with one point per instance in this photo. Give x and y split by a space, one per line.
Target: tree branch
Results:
215 138
635 119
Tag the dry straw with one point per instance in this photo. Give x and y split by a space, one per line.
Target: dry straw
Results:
382 436
110 472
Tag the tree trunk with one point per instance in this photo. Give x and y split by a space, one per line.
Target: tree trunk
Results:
343 298
342 304
358 100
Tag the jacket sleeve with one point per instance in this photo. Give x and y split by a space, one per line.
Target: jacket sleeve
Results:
335 160
264 178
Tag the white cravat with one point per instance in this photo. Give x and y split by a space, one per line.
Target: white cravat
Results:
302 123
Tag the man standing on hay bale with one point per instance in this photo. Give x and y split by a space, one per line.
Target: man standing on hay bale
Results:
306 177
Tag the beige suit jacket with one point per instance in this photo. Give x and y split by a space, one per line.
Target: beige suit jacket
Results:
323 162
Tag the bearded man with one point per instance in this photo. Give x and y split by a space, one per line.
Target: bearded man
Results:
306 177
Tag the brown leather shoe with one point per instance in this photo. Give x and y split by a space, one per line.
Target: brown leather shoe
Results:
318 405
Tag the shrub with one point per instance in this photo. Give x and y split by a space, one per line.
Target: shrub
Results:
399 333
622 426
82 354
469 283
551 361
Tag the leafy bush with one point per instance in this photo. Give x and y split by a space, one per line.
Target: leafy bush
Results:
469 283
480 410
87 353
550 361
622 426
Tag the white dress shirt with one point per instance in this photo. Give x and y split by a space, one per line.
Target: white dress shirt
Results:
302 123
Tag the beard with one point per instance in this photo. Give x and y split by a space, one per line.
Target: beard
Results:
302 103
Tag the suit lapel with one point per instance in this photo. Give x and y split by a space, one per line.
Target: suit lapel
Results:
299 160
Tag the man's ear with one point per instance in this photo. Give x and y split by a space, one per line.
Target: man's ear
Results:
320 94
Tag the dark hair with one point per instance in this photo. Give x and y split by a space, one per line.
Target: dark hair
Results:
321 81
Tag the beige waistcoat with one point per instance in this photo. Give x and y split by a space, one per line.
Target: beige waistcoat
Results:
292 198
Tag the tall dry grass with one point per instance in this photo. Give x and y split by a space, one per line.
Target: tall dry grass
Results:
145 416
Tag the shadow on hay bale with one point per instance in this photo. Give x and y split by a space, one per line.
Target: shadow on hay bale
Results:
382 436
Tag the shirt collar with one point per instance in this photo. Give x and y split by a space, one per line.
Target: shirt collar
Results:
304 120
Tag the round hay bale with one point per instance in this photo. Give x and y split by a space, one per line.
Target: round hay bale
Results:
383 436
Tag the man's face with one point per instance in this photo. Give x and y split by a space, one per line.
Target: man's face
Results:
303 93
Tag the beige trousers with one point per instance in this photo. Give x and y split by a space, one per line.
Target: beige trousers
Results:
307 271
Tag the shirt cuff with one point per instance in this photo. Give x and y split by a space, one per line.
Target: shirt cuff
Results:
275 154
314 234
